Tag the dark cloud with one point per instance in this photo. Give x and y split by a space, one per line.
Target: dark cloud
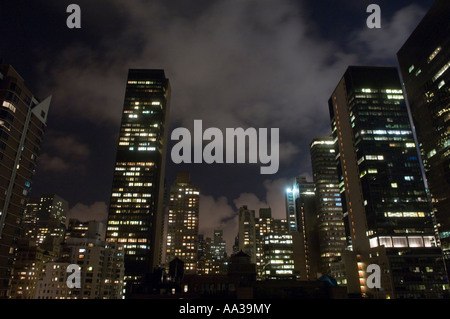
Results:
383 44
97 211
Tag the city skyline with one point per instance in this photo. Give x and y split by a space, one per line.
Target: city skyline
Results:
344 208
300 43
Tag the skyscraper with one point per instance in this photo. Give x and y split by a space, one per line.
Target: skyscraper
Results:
135 216
182 227
331 229
301 213
23 121
425 67
386 210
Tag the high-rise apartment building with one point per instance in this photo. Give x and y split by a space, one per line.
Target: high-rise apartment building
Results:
386 210
330 222
424 62
136 214
23 121
183 222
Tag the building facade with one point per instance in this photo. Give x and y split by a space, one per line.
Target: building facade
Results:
386 210
101 268
331 230
136 215
45 219
301 210
247 232
183 222
23 121
424 62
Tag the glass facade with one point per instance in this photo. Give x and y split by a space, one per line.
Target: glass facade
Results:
428 96
382 189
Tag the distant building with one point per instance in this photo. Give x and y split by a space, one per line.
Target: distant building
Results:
23 121
301 212
183 222
30 263
275 248
45 219
247 232
88 229
102 270
330 223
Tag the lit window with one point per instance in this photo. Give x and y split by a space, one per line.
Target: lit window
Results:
435 52
441 71
9 106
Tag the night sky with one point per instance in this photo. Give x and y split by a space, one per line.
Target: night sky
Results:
231 63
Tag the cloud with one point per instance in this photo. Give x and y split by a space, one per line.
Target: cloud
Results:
52 163
221 214
383 44
218 214
274 198
69 146
97 211
257 65
63 153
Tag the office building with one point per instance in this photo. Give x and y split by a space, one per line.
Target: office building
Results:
136 216
183 222
23 119
424 62
330 222
302 219
386 211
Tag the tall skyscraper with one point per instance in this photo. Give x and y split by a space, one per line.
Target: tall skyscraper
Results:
23 121
386 210
136 214
331 229
425 67
183 222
